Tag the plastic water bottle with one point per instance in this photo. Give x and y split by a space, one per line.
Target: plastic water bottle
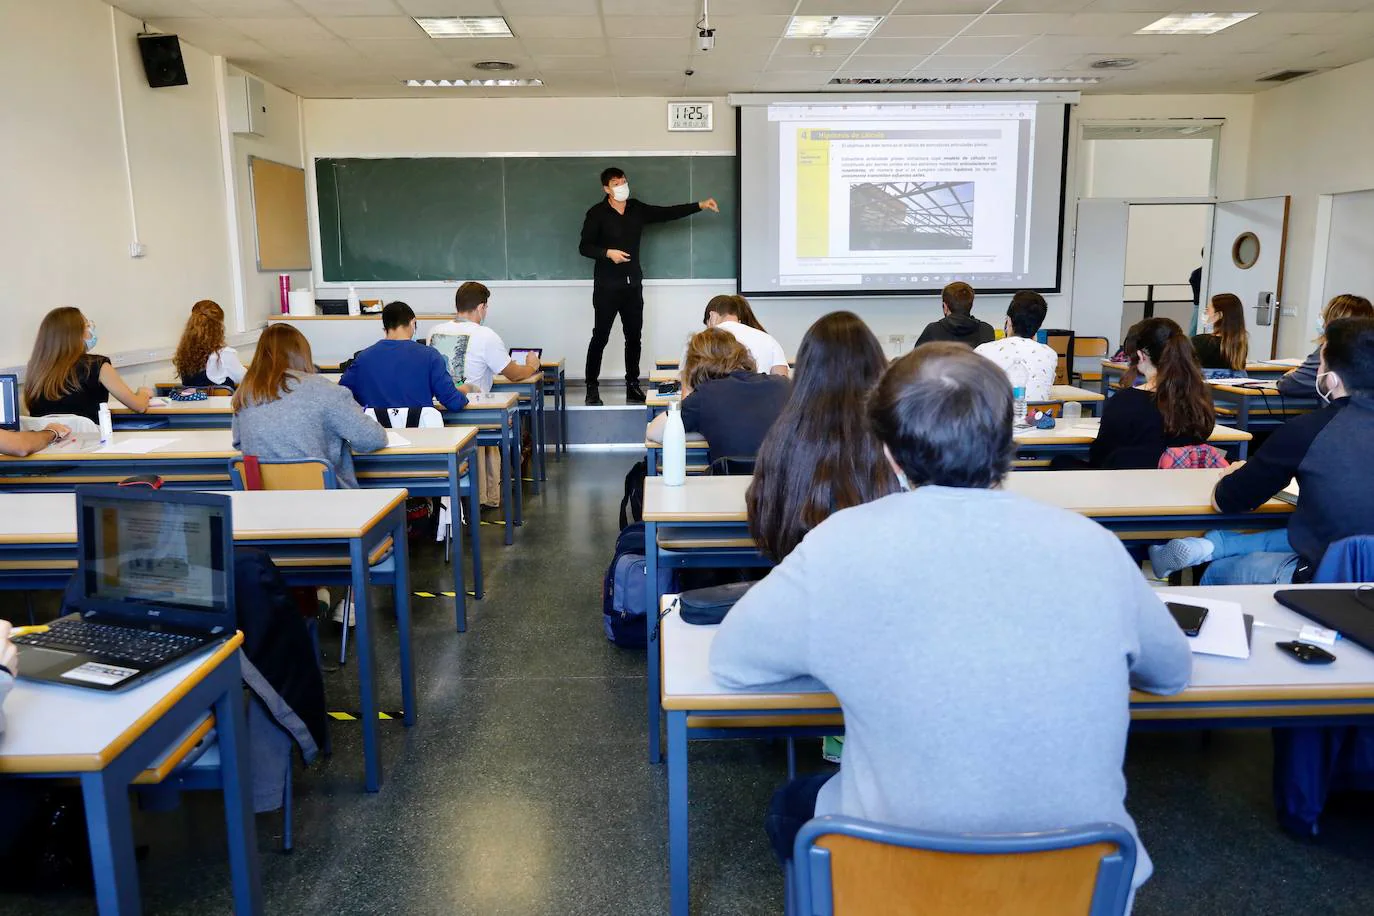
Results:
355 305
106 424
674 448
1073 412
1018 375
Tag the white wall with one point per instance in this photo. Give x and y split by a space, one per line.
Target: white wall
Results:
62 179
280 141
1310 138
559 315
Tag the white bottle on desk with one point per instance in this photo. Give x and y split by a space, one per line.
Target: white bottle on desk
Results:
355 305
106 424
674 448
1019 377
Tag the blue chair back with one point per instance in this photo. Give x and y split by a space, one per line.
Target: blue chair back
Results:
848 867
1347 560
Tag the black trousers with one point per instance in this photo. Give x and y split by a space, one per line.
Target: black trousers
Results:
608 302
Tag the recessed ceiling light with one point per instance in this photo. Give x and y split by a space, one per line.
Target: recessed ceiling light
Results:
1194 23
464 26
964 81
832 26
472 84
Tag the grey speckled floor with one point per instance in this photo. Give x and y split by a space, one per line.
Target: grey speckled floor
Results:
524 788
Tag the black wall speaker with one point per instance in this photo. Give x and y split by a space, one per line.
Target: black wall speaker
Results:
162 60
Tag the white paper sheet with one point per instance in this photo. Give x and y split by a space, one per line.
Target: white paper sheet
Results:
1223 632
395 439
125 446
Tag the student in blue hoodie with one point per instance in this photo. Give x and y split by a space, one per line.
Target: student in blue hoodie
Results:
398 372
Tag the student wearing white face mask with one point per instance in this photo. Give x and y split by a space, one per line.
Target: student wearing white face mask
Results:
1302 381
610 236
1326 450
65 377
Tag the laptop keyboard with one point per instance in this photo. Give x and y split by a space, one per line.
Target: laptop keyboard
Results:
141 647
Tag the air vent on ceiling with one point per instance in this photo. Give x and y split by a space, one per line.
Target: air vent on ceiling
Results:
1284 76
493 65
963 80
1115 63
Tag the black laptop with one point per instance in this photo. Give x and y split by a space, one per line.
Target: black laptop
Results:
155 582
9 402
1350 611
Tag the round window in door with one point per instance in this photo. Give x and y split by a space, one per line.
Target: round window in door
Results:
1245 251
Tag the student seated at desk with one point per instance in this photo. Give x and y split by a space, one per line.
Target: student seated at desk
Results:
63 377
1025 315
1173 408
820 455
725 397
973 701
1327 451
1226 343
22 443
9 667
203 357
475 355
958 325
735 315
283 410
398 372
1302 381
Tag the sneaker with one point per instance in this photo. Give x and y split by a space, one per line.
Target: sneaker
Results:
1180 553
832 747
634 394
594 396
321 602
339 612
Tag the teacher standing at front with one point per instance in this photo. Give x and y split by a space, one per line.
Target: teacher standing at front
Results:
610 236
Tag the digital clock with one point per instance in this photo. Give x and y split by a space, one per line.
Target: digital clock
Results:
690 116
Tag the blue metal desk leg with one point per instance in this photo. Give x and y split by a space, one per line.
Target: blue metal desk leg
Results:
563 409
236 780
517 478
507 498
460 597
474 519
537 433
111 834
401 557
367 667
679 876
652 686
651 462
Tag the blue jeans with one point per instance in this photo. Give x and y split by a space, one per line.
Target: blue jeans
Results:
1261 558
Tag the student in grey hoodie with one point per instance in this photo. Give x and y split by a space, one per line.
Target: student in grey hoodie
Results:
958 325
975 699
283 410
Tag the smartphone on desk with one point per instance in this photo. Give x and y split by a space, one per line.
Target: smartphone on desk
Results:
1189 617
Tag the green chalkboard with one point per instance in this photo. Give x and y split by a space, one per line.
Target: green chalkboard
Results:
516 218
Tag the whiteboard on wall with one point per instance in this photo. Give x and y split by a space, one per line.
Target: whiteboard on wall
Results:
1350 248
279 215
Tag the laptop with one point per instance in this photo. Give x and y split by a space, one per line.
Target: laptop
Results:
9 402
1347 610
154 583
520 354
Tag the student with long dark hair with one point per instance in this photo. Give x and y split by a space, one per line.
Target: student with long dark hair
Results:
1227 344
64 377
284 410
1172 408
820 456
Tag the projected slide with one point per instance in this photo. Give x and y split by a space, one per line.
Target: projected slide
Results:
898 196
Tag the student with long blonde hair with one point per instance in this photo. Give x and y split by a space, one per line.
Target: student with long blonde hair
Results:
203 357
1227 344
284 411
64 377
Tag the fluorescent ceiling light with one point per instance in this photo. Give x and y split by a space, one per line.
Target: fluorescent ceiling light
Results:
832 26
472 84
1194 23
464 26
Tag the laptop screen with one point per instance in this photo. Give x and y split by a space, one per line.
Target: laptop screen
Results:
9 402
159 553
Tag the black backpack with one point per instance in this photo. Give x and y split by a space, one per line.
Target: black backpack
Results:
632 505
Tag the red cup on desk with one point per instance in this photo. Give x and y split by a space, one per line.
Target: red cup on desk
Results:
284 284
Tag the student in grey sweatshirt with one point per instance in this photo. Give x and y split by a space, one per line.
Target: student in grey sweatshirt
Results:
283 410
980 693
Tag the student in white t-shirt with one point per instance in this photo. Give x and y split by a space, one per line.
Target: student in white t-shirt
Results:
734 315
475 355
1025 315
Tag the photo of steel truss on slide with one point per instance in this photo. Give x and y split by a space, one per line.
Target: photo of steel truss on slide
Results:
911 216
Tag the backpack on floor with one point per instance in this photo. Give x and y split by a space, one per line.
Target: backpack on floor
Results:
632 504
625 595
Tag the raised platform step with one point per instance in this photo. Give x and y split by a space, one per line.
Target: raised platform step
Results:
617 424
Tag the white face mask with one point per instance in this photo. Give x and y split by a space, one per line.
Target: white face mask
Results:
621 192
1322 392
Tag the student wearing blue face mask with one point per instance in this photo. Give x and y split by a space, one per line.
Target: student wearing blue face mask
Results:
1302 381
1327 451
64 377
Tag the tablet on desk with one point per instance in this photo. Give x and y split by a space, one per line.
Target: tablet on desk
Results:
521 354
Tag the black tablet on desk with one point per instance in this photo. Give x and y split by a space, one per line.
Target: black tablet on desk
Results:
1349 611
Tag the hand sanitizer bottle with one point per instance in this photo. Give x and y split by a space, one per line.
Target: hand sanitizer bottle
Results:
355 305
106 424
674 448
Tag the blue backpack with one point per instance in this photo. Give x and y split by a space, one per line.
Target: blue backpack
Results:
625 595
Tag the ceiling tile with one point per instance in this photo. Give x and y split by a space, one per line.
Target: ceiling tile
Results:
279 29
901 26
903 46
449 7
156 9
583 64
801 47
651 47
790 81
349 8
805 63
566 47
1041 6
644 8
749 26
1020 24
1102 24
847 7
651 27
998 46
249 9
556 26
580 82
400 49
478 48
328 51
373 27
550 7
